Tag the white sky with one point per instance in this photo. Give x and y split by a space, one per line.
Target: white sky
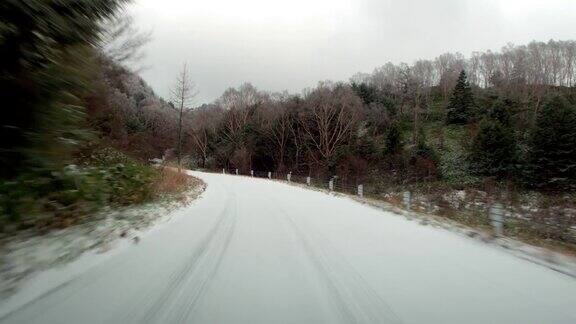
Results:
293 44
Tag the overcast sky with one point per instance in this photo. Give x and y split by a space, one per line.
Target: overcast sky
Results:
292 44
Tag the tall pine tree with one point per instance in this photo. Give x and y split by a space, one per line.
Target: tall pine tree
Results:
461 105
552 156
494 150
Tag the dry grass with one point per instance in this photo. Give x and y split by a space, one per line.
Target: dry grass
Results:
171 182
529 228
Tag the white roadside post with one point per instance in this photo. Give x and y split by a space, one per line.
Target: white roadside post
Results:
223 171
307 181
251 173
269 175
429 207
289 176
236 171
496 218
361 190
406 199
331 185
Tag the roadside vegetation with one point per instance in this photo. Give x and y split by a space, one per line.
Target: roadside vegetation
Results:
79 126
103 177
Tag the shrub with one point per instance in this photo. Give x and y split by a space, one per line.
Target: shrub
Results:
423 160
107 177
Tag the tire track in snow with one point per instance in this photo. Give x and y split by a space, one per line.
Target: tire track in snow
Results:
59 294
178 299
205 272
354 299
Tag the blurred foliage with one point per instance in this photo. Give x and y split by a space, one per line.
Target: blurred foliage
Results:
51 56
105 177
47 48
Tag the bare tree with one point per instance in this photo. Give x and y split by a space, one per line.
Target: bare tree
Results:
277 126
331 117
239 105
204 121
183 93
527 68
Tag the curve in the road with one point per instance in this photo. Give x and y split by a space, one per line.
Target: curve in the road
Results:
258 251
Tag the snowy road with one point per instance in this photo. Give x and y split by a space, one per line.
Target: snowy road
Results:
256 251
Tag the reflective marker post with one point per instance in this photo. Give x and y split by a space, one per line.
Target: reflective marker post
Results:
406 199
497 218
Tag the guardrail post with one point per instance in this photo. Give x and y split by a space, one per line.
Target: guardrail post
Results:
331 185
496 213
236 171
251 173
307 181
289 176
429 207
406 199
269 175
361 190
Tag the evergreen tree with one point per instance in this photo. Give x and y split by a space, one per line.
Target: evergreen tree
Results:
366 146
552 155
422 147
366 92
494 150
423 159
461 105
500 111
393 141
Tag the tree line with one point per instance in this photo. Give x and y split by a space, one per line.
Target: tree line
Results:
508 116
399 130
523 71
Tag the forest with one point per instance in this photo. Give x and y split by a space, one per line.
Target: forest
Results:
73 108
507 116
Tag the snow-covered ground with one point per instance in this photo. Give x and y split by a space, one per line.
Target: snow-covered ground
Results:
257 251
27 253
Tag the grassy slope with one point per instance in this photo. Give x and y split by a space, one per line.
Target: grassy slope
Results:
102 177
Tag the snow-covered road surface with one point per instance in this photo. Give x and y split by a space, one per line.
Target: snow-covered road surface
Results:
256 251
